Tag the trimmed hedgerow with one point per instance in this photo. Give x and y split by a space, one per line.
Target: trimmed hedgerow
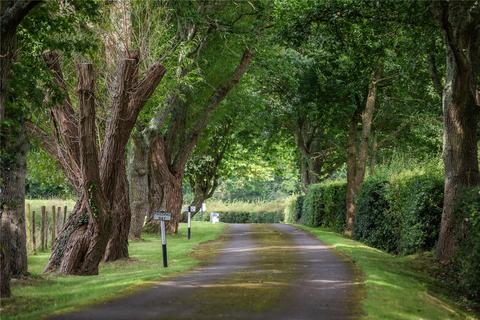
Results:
299 208
290 212
467 259
418 199
375 224
312 209
324 205
243 217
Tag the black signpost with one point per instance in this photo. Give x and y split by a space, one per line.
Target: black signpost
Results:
190 209
163 216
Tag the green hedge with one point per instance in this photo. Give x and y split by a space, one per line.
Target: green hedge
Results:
375 224
467 260
243 217
401 214
290 213
324 205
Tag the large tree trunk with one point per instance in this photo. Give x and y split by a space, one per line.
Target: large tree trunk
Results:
13 146
165 190
138 180
117 247
129 94
459 22
12 196
357 157
81 245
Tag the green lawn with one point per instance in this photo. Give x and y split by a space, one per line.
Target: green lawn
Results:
396 287
43 295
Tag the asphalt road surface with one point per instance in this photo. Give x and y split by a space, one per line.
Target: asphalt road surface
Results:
262 272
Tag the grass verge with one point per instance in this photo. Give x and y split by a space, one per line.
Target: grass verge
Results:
41 295
396 287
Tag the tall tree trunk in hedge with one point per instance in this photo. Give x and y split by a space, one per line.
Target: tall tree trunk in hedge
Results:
169 153
13 148
129 95
460 22
357 151
138 181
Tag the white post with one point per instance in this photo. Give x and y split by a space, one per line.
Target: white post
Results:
189 223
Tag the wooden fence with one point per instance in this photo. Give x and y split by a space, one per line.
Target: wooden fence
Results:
46 224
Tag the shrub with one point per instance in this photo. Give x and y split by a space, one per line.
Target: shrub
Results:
298 208
312 209
333 198
467 260
374 222
324 205
418 199
290 212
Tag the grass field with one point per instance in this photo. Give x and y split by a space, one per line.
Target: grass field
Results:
397 287
41 295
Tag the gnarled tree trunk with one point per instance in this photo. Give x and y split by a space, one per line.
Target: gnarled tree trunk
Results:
129 96
138 180
460 22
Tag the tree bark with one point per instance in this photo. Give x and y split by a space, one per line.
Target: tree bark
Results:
357 156
13 172
138 179
117 247
13 146
460 21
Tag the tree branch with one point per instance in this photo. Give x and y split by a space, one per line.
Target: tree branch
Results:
213 102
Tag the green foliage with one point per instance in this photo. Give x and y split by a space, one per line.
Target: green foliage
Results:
290 213
312 209
299 208
400 213
418 199
467 258
44 178
375 224
324 205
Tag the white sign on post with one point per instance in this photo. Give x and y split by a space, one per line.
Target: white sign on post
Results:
163 216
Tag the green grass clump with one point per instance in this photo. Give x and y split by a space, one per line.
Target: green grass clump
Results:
397 286
46 294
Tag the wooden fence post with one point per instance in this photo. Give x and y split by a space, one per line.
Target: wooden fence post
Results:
34 241
28 225
42 230
54 224
64 215
59 222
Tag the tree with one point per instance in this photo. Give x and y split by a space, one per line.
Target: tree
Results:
199 86
459 22
80 246
13 146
